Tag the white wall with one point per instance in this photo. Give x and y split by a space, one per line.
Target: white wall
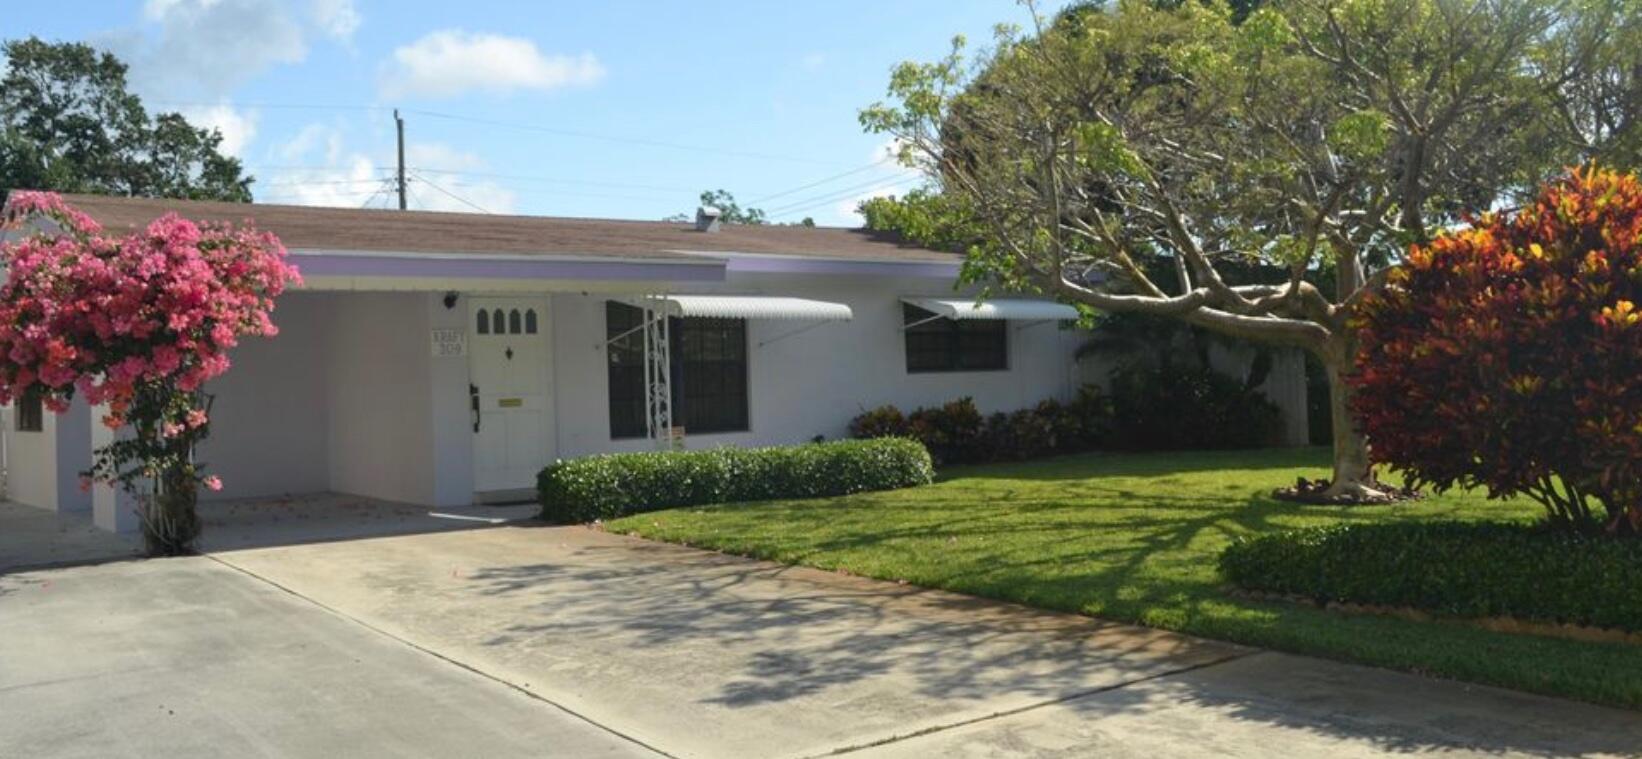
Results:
43 468
381 440
815 382
348 399
269 423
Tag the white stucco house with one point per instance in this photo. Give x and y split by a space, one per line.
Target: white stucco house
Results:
443 359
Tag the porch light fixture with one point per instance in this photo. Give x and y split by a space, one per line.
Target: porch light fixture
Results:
450 298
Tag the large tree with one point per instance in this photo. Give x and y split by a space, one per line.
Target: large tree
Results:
1314 139
68 123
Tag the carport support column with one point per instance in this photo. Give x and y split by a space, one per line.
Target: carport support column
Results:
112 508
73 440
452 417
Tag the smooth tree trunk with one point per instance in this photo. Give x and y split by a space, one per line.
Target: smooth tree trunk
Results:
1353 469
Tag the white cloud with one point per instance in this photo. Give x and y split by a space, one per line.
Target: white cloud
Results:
238 127
337 18
309 141
453 62
208 47
813 61
347 179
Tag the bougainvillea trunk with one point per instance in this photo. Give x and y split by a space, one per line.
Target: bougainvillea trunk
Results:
170 521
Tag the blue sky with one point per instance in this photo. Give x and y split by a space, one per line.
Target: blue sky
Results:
608 109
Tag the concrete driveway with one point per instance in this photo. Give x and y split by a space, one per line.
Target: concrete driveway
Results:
520 640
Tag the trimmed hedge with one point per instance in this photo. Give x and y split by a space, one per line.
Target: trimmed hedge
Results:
1464 569
613 485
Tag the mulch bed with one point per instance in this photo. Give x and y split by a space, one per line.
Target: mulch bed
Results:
1314 492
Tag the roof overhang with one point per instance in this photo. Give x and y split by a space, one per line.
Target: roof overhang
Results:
769 263
745 307
329 269
1021 309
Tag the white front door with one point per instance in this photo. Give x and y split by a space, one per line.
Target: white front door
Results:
511 377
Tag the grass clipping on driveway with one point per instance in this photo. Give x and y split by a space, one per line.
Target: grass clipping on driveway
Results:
1136 538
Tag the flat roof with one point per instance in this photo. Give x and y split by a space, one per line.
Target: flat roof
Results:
345 229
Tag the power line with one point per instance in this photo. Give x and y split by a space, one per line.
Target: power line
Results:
318 183
839 194
554 180
452 195
304 196
532 191
382 188
418 198
270 106
616 139
818 182
844 196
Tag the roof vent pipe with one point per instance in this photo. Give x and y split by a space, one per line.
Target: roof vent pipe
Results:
707 219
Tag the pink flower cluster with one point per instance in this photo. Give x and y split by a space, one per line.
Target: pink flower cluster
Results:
104 315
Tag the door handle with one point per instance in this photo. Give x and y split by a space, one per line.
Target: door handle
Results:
473 399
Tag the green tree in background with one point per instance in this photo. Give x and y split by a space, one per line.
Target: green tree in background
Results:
68 124
731 212
1314 139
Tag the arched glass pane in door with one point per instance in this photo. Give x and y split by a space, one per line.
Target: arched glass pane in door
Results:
500 321
514 324
483 327
530 321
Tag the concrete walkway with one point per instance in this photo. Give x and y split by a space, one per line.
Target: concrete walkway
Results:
31 537
521 640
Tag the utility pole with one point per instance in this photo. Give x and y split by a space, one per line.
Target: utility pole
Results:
400 124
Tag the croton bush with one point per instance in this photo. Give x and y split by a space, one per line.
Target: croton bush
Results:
138 323
1508 355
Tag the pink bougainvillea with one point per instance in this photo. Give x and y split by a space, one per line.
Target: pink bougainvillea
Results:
100 314
136 322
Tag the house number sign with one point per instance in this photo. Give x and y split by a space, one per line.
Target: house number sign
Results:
449 343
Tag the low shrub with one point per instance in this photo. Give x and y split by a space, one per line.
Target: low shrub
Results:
884 421
612 485
1176 409
951 432
957 433
1018 435
1464 569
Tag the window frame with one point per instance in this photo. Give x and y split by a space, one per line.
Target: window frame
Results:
953 341
623 318
29 412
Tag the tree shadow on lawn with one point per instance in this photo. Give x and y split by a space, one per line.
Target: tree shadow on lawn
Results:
781 635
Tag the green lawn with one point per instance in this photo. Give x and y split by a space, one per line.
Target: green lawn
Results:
1135 538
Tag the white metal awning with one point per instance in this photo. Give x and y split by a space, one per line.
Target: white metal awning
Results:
1021 309
745 307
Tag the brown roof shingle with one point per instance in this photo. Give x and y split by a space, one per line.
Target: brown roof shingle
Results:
308 227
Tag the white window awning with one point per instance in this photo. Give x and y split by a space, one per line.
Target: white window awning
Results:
745 307
1020 309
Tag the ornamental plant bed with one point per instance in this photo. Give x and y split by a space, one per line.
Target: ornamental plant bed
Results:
1315 492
